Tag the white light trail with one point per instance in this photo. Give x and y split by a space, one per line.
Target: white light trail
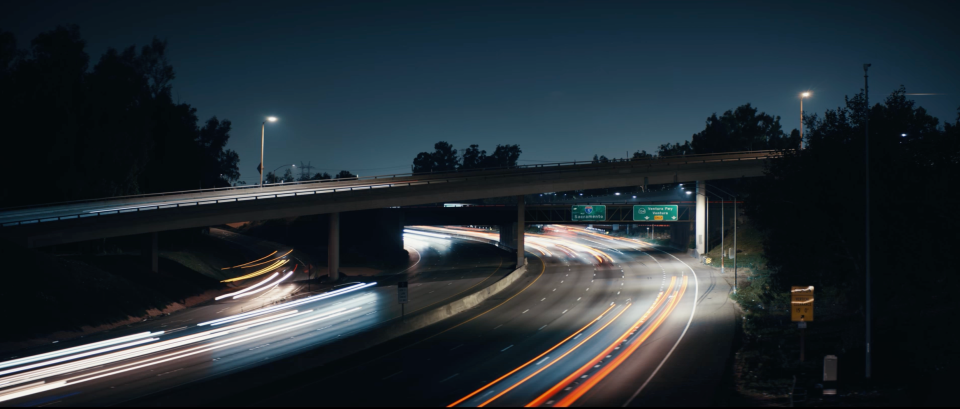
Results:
265 288
268 310
423 233
81 348
248 288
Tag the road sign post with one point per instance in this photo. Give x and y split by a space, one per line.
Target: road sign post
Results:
658 213
801 310
402 296
597 213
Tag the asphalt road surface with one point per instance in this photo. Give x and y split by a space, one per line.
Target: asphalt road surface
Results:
632 326
596 321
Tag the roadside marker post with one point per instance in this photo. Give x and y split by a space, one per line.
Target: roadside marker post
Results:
801 310
402 297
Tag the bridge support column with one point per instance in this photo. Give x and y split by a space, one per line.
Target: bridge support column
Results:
333 248
701 232
521 226
149 252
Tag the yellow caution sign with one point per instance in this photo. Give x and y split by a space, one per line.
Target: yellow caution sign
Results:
657 217
801 303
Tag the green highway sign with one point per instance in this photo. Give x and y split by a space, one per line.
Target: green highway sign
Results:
597 213
644 213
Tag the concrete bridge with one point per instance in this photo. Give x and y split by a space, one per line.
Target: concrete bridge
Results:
52 224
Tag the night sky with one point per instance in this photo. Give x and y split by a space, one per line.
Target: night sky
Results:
365 86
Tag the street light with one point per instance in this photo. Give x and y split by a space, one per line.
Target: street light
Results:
263 126
802 96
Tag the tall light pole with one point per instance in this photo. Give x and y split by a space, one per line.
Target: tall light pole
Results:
802 96
866 144
263 127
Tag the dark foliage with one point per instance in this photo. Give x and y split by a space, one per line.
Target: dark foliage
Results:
811 209
444 158
110 130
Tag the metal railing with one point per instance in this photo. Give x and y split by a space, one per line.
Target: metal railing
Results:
399 180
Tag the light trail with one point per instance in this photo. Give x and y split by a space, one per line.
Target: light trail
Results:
575 347
81 348
358 286
657 303
610 367
170 357
535 359
266 288
248 288
275 265
254 261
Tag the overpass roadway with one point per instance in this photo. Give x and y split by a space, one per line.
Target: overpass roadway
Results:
47 225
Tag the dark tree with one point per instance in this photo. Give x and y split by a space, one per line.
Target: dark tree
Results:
345 174
473 158
288 176
641 155
112 130
321 176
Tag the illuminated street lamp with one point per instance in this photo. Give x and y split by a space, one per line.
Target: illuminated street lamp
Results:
802 96
263 126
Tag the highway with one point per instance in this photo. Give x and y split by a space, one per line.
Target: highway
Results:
642 327
596 321
234 334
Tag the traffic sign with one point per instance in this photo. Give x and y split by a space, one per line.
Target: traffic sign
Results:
402 292
801 303
584 213
650 213
260 168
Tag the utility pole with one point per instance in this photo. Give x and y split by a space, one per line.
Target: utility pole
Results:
866 144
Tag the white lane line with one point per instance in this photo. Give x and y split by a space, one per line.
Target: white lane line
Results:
458 346
544 298
511 346
696 292
450 377
525 311
498 326
543 360
390 376
578 298
564 311
541 328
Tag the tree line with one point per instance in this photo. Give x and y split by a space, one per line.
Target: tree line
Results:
445 158
76 132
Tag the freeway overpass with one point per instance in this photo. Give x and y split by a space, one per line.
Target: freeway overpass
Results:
52 224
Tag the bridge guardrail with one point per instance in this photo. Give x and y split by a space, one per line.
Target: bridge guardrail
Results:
423 179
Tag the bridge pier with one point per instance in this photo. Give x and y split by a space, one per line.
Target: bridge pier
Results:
148 252
333 247
521 228
701 232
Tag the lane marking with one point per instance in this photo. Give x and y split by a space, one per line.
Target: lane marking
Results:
511 346
696 291
450 377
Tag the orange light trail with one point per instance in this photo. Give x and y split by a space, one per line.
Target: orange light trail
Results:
625 308
254 261
276 264
583 369
531 361
606 370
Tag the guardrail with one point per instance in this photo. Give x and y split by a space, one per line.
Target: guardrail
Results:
422 179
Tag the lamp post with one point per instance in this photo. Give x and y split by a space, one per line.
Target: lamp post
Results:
263 127
802 96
